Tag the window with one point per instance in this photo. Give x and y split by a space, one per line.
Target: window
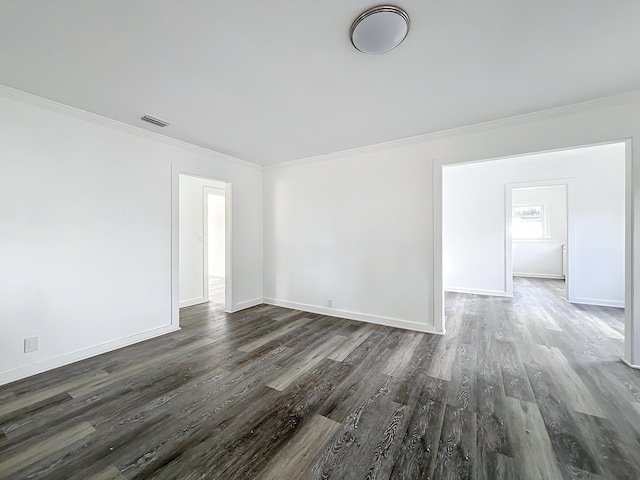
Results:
528 222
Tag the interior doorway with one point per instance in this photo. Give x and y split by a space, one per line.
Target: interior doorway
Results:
203 239
214 244
474 252
537 230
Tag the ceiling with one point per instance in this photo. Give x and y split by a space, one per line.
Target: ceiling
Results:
274 81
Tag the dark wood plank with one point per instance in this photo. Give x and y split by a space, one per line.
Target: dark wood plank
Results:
457 452
532 450
514 377
572 473
612 456
361 445
494 445
529 387
417 456
570 447
463 385
406 388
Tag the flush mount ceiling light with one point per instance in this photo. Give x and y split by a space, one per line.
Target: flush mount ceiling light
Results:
380 29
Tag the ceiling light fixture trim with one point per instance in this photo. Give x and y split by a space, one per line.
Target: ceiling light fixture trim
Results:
380 29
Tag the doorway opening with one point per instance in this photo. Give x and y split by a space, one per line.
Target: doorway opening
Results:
474 223
537 231
214 244
202 235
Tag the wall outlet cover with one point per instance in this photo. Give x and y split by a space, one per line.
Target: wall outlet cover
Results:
30 344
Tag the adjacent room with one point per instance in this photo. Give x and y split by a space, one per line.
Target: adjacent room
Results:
539 231
339 240
554 215
202 239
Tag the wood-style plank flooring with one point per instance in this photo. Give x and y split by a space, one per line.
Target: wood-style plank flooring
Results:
523 388
216 291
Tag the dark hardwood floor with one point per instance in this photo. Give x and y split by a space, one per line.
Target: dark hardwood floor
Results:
523 388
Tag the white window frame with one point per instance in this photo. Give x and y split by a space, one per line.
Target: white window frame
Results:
546 234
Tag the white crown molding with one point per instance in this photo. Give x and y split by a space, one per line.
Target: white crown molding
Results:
564 110
63 109
53 106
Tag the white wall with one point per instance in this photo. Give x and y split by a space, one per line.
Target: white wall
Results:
86 232
216 237
85 205
321 245
193 284
474 253
357 230
543 258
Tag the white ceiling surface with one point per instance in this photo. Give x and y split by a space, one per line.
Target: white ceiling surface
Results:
271 81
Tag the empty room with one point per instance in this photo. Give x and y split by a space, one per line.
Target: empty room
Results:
345 240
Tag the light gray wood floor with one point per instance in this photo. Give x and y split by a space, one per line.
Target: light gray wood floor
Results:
216 291
523 388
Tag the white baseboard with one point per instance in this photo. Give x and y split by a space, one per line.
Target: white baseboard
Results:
68 358
630 365
477 291
244 305
361 317
598 302
539 275
192 301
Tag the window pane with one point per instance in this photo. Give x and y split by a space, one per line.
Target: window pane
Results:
528 222
533 212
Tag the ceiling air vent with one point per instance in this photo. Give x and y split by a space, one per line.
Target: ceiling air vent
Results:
154 120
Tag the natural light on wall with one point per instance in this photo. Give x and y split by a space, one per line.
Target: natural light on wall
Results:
528 222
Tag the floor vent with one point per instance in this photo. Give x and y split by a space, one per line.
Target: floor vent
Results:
154 120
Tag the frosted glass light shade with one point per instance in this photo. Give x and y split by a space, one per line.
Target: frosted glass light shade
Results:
380 29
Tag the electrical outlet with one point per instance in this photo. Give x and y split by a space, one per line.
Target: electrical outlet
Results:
30 344
330 303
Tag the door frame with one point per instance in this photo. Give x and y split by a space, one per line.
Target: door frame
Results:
439 163
178 169
508 245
